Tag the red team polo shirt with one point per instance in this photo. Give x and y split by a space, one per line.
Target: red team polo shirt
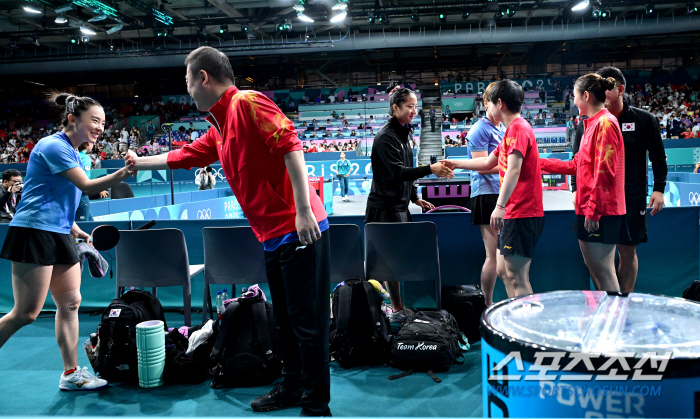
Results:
526 199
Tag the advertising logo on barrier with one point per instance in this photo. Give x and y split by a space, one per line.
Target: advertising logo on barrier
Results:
694 198
580 384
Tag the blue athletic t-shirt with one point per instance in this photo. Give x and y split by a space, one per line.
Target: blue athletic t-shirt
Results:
86 164
483 136
272 244
49 200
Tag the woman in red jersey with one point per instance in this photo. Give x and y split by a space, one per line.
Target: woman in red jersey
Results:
599 167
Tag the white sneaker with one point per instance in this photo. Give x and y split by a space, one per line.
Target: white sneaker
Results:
81 379
346 199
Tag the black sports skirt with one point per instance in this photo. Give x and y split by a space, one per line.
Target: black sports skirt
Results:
29 245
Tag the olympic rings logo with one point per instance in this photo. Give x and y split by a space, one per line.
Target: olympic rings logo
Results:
457 104
204 214
694 198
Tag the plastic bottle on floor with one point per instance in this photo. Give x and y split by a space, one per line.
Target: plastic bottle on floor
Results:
219 306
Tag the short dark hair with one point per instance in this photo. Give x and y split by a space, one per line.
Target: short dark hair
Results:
8 174
211 60
510 93
613 72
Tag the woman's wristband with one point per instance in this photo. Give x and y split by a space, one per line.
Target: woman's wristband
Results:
500 206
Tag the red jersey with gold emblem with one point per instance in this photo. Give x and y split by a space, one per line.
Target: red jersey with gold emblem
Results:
599 167
526 199
250 138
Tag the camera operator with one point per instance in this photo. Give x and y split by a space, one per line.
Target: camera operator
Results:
205 179
10 194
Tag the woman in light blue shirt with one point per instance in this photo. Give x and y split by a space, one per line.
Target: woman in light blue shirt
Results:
343 167
40 239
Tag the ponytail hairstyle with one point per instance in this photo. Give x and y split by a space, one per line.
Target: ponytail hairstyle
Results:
397 96
596 85
70 104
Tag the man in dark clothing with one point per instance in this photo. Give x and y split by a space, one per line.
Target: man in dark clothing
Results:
641 134
10 194
432 119
393 176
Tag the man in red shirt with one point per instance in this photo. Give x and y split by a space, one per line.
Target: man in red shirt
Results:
519 215
263 161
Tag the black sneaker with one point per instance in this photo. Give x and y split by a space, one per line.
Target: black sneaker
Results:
278 398
306 412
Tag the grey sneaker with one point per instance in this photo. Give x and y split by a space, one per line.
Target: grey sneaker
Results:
399 316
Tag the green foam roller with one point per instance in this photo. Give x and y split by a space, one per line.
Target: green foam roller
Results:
150 345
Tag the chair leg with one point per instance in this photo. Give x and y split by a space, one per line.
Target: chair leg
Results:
206 304
187 304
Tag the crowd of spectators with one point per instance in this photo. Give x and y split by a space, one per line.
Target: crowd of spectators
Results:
676 107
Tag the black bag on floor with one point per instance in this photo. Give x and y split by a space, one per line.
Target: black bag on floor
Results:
245 352
183 368
359 330
693 291
427 341
465 303
115 353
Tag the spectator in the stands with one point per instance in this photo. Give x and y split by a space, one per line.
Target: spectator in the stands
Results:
194 135
305 99
371 120
697 168
205 179
688 133
292 106
331 98
352 133
318 99
150 130
334 115
10 194
448 113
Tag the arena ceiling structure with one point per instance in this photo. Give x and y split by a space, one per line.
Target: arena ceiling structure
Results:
45 36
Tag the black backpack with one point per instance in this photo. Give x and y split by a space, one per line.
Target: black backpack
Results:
245 352
465 303
183 368
693 291
359 330
427 341
116 358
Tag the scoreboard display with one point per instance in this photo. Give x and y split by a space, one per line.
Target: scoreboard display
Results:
554 182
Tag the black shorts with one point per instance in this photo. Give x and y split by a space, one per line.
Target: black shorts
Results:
29 245
612 229
376 215
482 207
637 224
519 236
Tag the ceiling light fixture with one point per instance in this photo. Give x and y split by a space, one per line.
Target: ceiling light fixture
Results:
115 29
581 6
31 9
341 5
339 17
61 19
87 31
304 18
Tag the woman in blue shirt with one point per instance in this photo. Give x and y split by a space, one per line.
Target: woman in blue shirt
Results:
40 239
483 138
343 167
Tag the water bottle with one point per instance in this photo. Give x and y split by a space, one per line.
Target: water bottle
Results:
224 295
219 306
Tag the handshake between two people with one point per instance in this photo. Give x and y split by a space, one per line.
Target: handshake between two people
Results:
439 169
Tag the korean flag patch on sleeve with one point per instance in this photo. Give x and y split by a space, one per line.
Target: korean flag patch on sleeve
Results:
115 312
629 126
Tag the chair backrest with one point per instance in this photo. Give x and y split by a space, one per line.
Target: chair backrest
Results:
152 258
346 252
122 190
232 255
403 252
